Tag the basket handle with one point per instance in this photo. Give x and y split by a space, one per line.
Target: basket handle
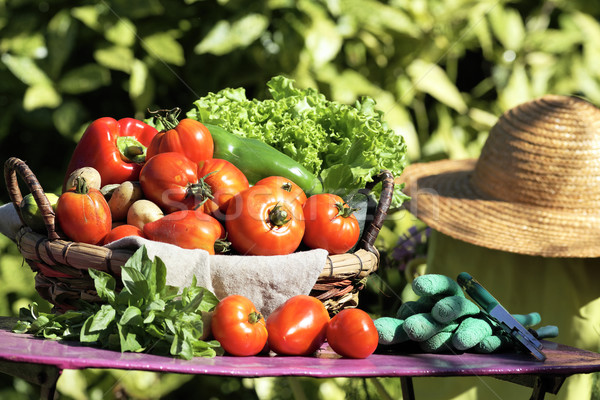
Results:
386 178
12 166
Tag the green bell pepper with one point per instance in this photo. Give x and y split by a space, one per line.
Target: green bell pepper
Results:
258 160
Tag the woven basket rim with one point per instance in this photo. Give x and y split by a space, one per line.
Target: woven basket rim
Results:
66 259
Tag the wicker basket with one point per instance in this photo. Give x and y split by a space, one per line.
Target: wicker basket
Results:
62 265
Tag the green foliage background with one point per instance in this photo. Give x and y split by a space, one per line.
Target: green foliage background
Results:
441 70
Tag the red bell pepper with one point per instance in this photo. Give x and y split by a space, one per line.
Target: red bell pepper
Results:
116 149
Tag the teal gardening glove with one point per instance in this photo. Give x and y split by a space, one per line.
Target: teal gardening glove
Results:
443 320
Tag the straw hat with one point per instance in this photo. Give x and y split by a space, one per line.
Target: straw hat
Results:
535 188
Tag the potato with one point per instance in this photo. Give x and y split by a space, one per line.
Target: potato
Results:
90 174
143 211
122 198
108 190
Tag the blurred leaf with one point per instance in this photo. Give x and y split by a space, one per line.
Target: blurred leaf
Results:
137 9
517 90
378 16
432 79
61 36
141 86
448 138
483 118
73 384
68 117
148 384
543 69
89 15
164 47
508 27
115 57
122 33
139 76
227 36
323 41
41 95
25 69
588 25
28 44
586 82
84 79
554 41
480 28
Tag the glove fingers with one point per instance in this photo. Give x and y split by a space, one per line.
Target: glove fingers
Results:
436 284
441 342
420 327
470 332
390 330
492 344
528 320
423 304
548 331
453 307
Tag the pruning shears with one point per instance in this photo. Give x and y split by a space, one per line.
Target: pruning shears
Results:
501 316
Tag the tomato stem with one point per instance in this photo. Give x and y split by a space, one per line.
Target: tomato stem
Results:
344 210
254 317
222 246
278 216
202 190
168 118
81 186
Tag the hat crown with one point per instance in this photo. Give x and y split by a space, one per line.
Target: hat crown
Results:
545 152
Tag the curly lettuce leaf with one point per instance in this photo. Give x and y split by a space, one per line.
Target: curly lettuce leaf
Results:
344 145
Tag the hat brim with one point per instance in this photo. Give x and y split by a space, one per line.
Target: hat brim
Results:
443 197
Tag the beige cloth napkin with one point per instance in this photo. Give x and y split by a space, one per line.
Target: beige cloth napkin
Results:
266 280
9 221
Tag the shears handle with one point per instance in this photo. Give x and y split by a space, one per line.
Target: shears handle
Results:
477 292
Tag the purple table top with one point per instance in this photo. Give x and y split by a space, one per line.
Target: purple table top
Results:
561 360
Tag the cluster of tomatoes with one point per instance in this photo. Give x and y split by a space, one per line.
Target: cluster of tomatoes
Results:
181 195
298 327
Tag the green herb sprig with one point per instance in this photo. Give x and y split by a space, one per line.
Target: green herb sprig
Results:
147 315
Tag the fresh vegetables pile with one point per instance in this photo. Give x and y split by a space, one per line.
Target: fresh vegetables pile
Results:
257 187
127 178
343 145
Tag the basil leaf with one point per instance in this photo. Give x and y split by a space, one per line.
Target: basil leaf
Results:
146 315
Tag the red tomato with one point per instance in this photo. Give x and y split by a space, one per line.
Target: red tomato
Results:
83 214
188 229
220 180
238 326
121 231
170 180
285 184
264 221
330 224
298 326
351 333
188 136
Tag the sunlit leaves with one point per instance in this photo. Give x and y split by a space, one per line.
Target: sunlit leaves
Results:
227 36
432 79
164 47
